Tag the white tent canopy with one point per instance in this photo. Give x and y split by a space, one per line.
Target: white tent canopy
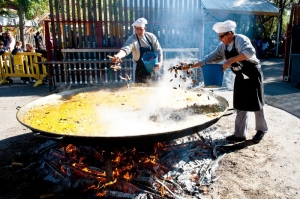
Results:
251 7
14 21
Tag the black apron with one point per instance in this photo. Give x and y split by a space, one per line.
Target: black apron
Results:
248 85
141 73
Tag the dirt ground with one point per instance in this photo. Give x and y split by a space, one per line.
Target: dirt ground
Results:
266 170
269 169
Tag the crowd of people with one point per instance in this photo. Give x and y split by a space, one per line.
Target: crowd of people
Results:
9 44
8 40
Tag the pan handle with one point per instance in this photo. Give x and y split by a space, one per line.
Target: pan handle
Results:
48 137
229 111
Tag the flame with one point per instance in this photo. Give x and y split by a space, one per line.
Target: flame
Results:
152 159
117 159
116 173
101 194
162 191
127 176
110 183
70 148
123 168
92 187
62 168
80 160
86 170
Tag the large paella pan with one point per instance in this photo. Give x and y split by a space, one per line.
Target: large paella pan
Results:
119 113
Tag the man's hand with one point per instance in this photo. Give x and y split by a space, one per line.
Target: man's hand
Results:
115 59
157 66
227 64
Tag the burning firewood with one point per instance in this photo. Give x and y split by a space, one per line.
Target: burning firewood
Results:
168 170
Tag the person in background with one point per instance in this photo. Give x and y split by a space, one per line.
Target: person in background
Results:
4 36
2 49
42 51
1 37
38 39
18 49
248 94
11 42
140 43
265 47
258 47
30 48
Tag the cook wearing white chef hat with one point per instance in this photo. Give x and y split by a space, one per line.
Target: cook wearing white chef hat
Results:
140 43
140 26
140 22
225 31
238 54
226 26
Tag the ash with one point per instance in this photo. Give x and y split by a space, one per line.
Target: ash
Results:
182 168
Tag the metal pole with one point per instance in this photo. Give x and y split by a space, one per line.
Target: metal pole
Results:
21 23
279 28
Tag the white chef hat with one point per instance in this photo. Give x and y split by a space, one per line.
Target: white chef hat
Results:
140 22
225 26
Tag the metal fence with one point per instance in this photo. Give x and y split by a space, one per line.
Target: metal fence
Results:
107 23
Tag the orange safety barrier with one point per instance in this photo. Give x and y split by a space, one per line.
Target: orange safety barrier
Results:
22 64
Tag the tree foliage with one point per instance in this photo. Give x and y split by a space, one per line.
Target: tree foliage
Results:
267 26
32 8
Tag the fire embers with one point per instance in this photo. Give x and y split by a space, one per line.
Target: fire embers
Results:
177 169
184 76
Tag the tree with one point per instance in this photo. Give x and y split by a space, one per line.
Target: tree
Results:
26 9
269 25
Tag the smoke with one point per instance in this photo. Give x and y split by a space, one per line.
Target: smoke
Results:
62 88
183 81
164 109
228 80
